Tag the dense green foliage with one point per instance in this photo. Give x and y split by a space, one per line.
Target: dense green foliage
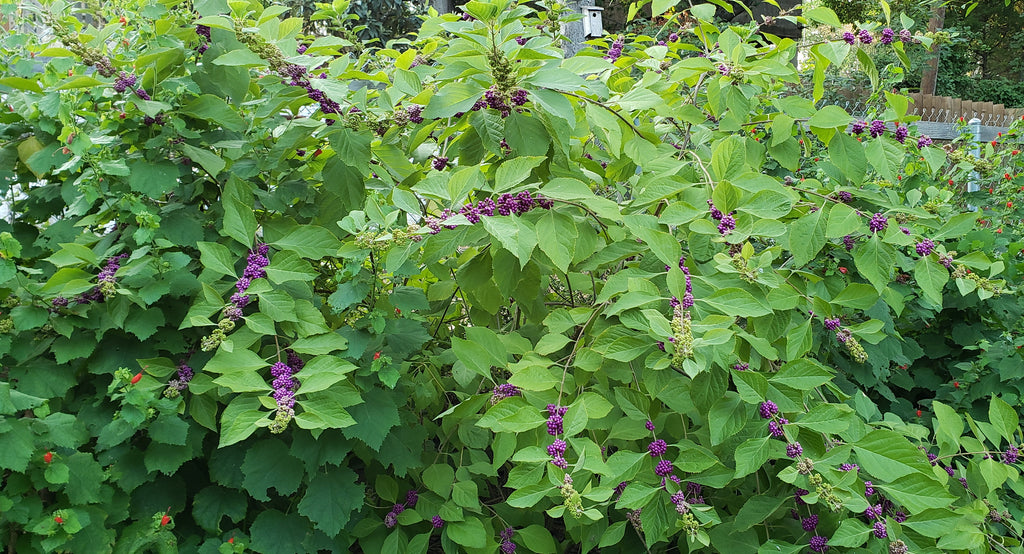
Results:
261 294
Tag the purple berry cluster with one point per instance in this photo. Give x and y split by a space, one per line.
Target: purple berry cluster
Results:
299 78
107 281
818 543
924 140
503 391
925 247
615 50
507 546
901 133
905 36
437 522
521 40
850 38
877 128
663 468
741 366
185 374
1011 455
415 114
124 81
879 530
158 119
411 498
555 419
888 36
794 450
849 467
857 127
657 448
878 223
649 425
557 452
506 204
439 163
301 49
726 222
865 36
204 38
768 409
255 263
809 523
848 242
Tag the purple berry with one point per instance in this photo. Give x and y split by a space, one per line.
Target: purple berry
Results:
663 469
657 448
794 450
809 523
878 223
818 543
437 522
650 424
768 409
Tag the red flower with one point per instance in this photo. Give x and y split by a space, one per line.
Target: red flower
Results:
165 520
956 384
231 540
1009 204
376 355
951 182
999 230
919 413
48 457
59 520
994 143
1007 176
398 312
1015 152
137 378
123 20
842 270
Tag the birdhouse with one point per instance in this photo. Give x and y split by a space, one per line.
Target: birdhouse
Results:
592 26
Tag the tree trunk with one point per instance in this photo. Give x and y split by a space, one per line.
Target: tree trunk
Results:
443 6
930 74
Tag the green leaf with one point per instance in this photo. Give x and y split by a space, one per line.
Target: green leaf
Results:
239 220
827 418
799 340
857 295
238 420
276 533
842 220
322 372
830 117
536 538
310 241
320 344
875 261
439 478
86 478
807 237
736 302
18 444
330 499
1004 418
212 163
728 159
480 351
916 491
512 172
515 234
375 418
268 466
802 374
469 533
288 266
659 7
453 98
931 277
757 509
949 427
847 153
153 179
934 523
823 15
277 304
241 57
211 504
726 417
215 110
557 235
889 456
751 455
216 257
851 533
243 381
236 361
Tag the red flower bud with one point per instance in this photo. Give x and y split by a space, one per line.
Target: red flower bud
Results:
950 182
1009 204
48 457
231 540
990 190
65 150
165 520
999 230
956 384
1007 176
1015 152
137 378
376 355
994 143
842 270
919 413
123 20
59 520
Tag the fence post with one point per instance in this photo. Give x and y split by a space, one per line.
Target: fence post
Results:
975 126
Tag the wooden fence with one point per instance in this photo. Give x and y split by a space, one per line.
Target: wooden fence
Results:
943 109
